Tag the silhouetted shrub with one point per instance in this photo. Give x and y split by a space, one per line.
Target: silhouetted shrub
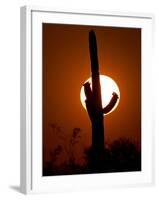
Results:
125 156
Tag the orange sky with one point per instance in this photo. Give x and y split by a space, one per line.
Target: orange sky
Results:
66 65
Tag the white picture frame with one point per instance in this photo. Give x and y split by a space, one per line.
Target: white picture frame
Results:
31 92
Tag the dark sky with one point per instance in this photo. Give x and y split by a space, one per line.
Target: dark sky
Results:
66 65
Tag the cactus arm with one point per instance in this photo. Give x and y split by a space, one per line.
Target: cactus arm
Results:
87 90
88 101
111 104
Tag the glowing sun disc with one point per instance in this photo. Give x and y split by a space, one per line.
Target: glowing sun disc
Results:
108 86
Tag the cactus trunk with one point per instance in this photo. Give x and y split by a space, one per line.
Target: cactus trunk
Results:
94 103
93 98
97 115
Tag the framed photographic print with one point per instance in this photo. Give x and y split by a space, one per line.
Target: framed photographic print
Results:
86 100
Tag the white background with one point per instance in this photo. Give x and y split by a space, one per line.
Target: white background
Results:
10 96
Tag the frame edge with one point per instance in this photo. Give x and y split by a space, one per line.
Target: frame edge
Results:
25 100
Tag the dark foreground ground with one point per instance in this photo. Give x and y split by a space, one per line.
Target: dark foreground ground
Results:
121 156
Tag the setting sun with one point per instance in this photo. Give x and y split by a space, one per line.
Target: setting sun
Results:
108 86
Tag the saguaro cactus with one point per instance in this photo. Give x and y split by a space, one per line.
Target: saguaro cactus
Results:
93 99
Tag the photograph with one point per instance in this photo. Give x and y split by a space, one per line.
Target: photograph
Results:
91 99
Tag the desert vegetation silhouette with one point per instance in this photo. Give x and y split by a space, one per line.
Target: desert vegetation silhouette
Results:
122 155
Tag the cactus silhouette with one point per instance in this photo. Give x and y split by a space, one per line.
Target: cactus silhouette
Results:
93 99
